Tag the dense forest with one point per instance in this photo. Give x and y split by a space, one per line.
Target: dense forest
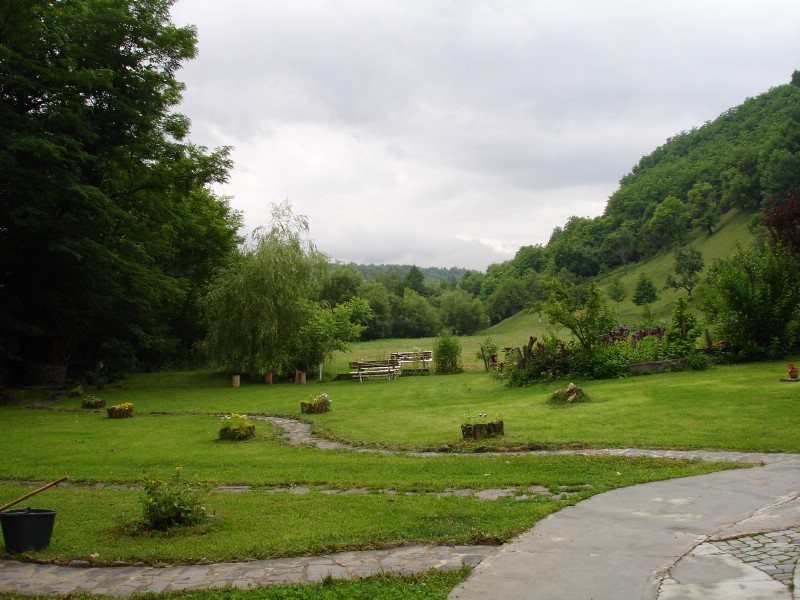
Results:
109 227
113 242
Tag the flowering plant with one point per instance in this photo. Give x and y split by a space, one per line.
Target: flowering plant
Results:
169 503
319 398
791 366
124 406
236 427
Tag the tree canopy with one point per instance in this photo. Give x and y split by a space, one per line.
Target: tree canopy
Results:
108 224
688 266
257 306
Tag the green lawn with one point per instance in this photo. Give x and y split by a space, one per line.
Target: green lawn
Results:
732 407
741 407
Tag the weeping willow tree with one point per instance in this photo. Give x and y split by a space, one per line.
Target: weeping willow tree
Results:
257 306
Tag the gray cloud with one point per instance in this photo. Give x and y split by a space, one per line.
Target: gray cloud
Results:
458 130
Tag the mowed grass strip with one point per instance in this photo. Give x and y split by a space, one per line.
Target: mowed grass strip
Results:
87 447
731 407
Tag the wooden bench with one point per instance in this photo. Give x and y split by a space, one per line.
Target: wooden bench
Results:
374 368
425 357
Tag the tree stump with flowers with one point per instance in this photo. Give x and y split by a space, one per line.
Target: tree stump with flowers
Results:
479 426
120 411
236 427
316 405
93 402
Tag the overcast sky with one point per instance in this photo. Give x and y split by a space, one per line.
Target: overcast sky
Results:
451 132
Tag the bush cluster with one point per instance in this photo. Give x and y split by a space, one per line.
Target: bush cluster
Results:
611 355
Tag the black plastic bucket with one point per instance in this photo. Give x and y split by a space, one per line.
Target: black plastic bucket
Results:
27 528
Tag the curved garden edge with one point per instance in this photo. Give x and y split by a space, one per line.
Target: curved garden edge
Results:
298 432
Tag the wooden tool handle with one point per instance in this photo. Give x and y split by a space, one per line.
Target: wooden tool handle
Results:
33 493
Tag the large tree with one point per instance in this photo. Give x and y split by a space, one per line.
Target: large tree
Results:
108 226
670 221
256 308
461 313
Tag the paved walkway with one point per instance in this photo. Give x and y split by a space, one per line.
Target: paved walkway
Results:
698 538
732 535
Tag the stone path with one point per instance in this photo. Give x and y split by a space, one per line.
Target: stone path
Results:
33 579
754 556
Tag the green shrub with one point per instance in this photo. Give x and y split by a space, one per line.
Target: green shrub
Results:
752 297
697 361
447 353
683 330
605 362
169 503
648 349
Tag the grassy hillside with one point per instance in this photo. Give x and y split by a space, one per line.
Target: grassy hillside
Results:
732 229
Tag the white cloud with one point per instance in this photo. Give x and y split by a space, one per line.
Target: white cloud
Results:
452 132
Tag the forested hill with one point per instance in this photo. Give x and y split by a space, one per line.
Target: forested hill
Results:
747 157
